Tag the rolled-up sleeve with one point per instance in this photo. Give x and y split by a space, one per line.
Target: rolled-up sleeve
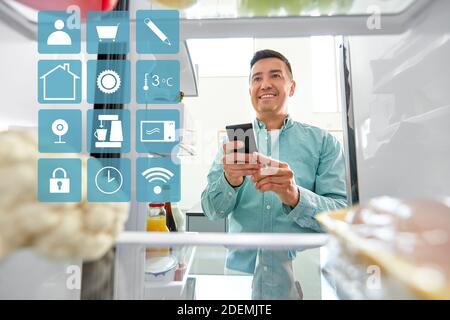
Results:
330 188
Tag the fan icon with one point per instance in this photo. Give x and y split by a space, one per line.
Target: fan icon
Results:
108 81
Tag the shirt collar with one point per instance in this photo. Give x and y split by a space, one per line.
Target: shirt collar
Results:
287 123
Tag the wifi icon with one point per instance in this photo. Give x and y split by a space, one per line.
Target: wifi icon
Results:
158 174
158 179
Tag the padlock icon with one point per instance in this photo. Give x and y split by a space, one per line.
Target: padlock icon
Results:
59 185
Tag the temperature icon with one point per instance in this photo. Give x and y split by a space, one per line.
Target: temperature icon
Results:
157 81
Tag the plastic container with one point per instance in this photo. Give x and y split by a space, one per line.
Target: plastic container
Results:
406 240
158 287
161 269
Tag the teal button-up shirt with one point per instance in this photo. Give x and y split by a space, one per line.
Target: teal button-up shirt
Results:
315 157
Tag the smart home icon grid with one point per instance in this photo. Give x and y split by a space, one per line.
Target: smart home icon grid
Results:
158 179
60 128
59 131
157 31
157 131
59 180
108 32
58 32
158 81
109 180
59 81
108 82
108 131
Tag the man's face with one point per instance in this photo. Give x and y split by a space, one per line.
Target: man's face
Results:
270 86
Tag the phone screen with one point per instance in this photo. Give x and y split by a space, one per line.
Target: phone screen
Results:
243 132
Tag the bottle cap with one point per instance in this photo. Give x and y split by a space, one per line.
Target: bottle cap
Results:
156 204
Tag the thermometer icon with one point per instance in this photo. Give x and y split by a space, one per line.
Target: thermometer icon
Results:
157 31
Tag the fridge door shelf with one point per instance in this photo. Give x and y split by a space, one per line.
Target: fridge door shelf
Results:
174 289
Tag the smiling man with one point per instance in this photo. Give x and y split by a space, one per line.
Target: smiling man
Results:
297 173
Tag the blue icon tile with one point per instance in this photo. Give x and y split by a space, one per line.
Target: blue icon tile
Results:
59 131
158 179
108 81
108 32
59 180
109 180
157 31
59 81
157 131
108 131
58 32
158 81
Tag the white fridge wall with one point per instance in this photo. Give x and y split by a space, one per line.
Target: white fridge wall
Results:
24 274
402 108
28 275
19 81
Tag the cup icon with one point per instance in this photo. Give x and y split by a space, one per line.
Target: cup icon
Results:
100 134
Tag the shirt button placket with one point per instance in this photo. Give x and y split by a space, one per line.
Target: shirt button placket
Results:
265 216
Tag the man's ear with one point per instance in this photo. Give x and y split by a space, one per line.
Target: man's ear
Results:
292 89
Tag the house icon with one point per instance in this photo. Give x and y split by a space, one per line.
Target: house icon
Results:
59 84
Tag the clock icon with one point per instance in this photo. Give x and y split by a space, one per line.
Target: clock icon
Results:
108 180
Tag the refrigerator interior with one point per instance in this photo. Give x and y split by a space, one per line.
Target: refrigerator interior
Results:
400 114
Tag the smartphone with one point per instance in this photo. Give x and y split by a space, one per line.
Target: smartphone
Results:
245 133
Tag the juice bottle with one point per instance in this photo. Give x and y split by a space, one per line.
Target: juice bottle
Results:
156 222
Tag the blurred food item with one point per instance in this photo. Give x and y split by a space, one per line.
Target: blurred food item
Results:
83 230
260 8
62 5
176 4
408 239
254 8
181 97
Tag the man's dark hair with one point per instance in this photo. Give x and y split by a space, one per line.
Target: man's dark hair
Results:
267 53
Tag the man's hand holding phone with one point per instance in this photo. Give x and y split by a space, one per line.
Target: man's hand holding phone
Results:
267 174
278 177
238 165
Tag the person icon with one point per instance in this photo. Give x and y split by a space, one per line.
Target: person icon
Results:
59 38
